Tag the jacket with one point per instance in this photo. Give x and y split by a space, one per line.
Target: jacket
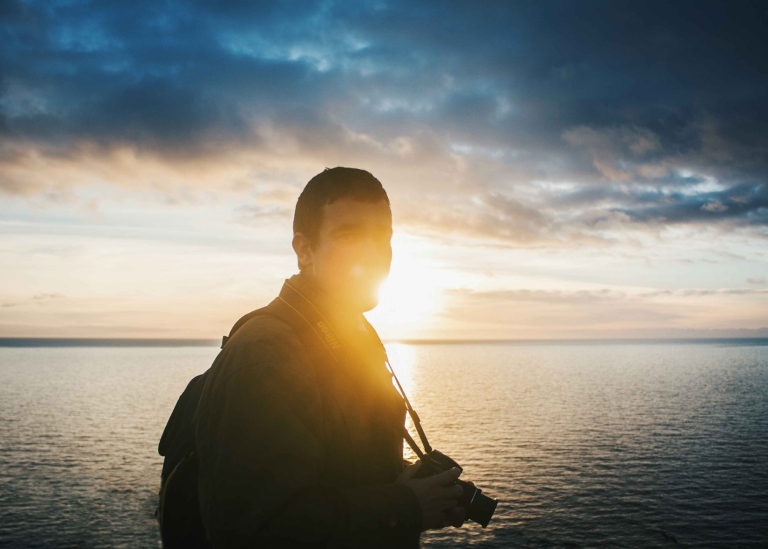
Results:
299 435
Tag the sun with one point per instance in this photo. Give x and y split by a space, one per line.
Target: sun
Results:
410 297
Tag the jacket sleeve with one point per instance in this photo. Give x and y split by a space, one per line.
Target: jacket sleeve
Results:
260 460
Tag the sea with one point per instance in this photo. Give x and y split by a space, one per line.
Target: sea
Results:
584 444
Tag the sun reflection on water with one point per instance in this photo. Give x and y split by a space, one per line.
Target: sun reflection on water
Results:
402 358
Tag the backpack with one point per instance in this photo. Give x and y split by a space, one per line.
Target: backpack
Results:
178 510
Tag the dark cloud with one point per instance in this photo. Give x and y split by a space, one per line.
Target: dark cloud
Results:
745 202
522 121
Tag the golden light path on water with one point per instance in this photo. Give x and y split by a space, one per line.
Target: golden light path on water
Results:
402 358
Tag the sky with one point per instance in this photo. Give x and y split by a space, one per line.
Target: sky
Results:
589 169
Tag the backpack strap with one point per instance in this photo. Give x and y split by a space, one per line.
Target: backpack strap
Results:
296 310
243 320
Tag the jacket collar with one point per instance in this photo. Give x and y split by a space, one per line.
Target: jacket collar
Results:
302 296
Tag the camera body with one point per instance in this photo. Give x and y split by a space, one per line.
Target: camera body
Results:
478 507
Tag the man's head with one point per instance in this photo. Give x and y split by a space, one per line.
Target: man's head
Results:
342 230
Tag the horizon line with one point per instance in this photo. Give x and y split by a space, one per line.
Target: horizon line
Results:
196 342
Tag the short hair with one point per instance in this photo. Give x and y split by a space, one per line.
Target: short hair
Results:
329 185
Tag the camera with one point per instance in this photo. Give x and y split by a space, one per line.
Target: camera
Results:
477 507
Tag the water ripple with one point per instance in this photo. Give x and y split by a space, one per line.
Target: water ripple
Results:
585 445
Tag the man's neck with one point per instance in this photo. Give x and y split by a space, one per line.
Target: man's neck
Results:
342 318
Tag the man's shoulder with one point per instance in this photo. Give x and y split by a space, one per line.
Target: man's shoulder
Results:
266 339
262 327
263 351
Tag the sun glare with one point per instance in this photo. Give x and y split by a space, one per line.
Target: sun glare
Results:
411 294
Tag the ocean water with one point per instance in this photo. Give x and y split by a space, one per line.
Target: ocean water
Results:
585 445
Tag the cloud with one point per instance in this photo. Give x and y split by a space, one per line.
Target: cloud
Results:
604 312
43 296
529 123
539 296
494 215
37 299
693 292
745 204
611 148
591 296
557 309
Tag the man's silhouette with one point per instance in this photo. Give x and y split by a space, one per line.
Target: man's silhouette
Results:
299 430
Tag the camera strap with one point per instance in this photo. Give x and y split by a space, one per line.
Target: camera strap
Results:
414 418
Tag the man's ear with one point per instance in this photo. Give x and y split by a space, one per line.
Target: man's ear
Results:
303 250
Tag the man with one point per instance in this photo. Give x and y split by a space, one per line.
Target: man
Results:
299 430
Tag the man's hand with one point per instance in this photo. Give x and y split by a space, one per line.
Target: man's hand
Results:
438 496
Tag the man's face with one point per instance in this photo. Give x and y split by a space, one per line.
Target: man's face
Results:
353 252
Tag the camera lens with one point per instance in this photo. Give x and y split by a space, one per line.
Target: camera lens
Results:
479 508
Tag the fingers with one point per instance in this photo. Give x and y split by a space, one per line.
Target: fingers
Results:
438 496
445 478
409 472
448 504
456 517
436 512
450 492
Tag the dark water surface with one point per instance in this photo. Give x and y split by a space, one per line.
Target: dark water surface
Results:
589 445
